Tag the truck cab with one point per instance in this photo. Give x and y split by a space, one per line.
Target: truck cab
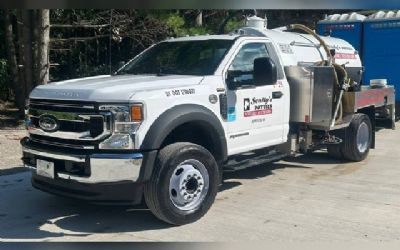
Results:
166 124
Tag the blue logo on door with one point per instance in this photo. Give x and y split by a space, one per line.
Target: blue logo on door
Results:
231 114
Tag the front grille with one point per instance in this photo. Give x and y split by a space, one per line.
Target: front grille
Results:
63 143
66 125
77 124
60 105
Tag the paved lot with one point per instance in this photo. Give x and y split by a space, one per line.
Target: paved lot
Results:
311 198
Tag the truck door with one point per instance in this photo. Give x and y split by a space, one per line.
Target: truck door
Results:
255 113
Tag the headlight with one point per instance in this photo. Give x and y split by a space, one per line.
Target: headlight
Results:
117 141
126 121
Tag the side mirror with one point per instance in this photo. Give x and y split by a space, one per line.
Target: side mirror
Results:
265 72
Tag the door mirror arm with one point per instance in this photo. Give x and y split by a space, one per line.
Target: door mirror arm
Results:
233 85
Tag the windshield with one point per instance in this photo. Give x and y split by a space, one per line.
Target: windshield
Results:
200 57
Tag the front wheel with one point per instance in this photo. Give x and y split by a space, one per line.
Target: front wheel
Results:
183 185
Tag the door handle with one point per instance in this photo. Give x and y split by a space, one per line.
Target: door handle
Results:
277 94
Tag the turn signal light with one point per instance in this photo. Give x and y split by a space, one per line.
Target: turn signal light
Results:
137 113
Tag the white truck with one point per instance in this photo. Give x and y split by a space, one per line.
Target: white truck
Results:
166 124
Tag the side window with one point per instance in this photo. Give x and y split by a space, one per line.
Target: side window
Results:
244 60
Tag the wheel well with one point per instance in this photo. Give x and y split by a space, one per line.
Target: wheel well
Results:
197 133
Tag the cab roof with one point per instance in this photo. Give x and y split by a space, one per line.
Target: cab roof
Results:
203 37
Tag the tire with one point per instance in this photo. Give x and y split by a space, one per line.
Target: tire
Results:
357 138
176 164
335 151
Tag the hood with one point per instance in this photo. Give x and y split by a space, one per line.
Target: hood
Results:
110 88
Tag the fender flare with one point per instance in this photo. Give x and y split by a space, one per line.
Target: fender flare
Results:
178 115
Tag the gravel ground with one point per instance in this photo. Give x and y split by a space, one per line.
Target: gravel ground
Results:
11 131
10 150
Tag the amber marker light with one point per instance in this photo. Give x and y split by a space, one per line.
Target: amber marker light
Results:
137 113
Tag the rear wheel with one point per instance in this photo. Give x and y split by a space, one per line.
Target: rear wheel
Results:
183 185
335 151
356 140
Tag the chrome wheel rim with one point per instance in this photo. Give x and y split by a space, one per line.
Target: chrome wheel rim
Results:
362 137
188 185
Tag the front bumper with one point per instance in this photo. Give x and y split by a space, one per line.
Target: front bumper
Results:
124 192
94 176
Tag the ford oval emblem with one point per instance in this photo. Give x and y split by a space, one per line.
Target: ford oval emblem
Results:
48 123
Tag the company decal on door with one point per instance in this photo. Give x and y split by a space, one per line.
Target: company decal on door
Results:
257 106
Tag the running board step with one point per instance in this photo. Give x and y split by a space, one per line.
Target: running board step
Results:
234 164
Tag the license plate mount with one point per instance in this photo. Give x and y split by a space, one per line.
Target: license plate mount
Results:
45 168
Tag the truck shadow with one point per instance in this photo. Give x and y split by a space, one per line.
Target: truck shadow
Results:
91 219
29 214
76 219
317 157
43 217
231 178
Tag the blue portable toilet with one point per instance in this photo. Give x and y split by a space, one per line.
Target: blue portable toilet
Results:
348 27
381 52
